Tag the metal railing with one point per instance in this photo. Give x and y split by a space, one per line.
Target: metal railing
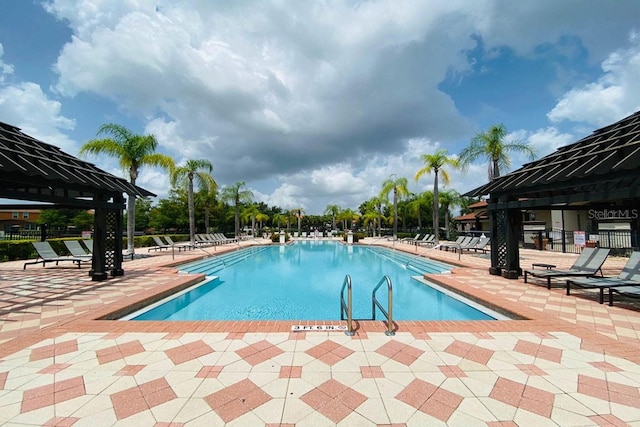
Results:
347 307
622 242
375 303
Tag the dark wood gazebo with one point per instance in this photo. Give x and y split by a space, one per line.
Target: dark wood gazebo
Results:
35 171
600 171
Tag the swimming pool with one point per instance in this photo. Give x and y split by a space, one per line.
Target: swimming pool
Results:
302 281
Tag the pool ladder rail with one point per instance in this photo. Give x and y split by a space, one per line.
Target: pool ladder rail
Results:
346 307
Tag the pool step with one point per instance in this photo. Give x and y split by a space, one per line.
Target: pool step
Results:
413 262
218 262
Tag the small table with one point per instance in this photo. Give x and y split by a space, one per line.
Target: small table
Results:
541 264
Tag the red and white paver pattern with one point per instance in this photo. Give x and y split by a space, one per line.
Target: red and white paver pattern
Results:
318 378
574 362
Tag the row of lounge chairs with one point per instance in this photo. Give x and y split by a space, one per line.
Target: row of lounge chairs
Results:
584 274
467 243
47 254
426 240
202 240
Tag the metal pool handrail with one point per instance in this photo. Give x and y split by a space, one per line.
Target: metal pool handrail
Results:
375 302
347 307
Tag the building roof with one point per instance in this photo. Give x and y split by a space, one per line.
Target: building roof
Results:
466 217
477 205
602 166
34 170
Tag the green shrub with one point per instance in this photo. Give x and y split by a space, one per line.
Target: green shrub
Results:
356 237
275 237
11 250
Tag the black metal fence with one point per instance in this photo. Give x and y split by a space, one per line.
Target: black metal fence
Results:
36 234
621 242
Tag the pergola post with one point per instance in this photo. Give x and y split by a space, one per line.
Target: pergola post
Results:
505 232
117 234
98 267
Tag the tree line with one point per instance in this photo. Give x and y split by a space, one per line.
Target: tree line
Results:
210 208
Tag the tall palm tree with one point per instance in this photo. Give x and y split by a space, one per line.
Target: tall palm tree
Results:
492 146
400 191
332 210
132 152
261 217
249 213
183 176
299 214
208 199
237 194
415 207
279 218
435 163
377 202
447 199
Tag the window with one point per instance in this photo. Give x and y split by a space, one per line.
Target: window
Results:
15 215
25 215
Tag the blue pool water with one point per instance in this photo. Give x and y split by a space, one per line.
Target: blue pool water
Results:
303 282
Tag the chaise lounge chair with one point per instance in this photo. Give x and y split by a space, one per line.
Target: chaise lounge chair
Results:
75 249
627 282
461 240
411 240
182 246
428 240
480 245
47 254
469 245
160 245
586 265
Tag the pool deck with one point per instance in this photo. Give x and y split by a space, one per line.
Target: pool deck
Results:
571 362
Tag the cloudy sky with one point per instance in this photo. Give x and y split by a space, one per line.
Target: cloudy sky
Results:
314 103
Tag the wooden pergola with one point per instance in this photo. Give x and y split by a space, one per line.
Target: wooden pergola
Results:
35 171
600 171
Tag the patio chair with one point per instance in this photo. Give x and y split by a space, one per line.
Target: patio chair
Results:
587 265
222 239
47 254
461 240
182 246
629 279
411 240
468 245
428 240
480 245
76 249
160 245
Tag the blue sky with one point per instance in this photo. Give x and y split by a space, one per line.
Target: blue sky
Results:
317 103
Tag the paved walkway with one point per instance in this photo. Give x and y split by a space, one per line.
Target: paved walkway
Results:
569 362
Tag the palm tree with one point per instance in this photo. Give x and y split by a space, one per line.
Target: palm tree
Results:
249 213
237 194
415 207
183 176
132 151
279 218
448 198
435 163
207 197
261 217
399 187
332 210
299 213
492 146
